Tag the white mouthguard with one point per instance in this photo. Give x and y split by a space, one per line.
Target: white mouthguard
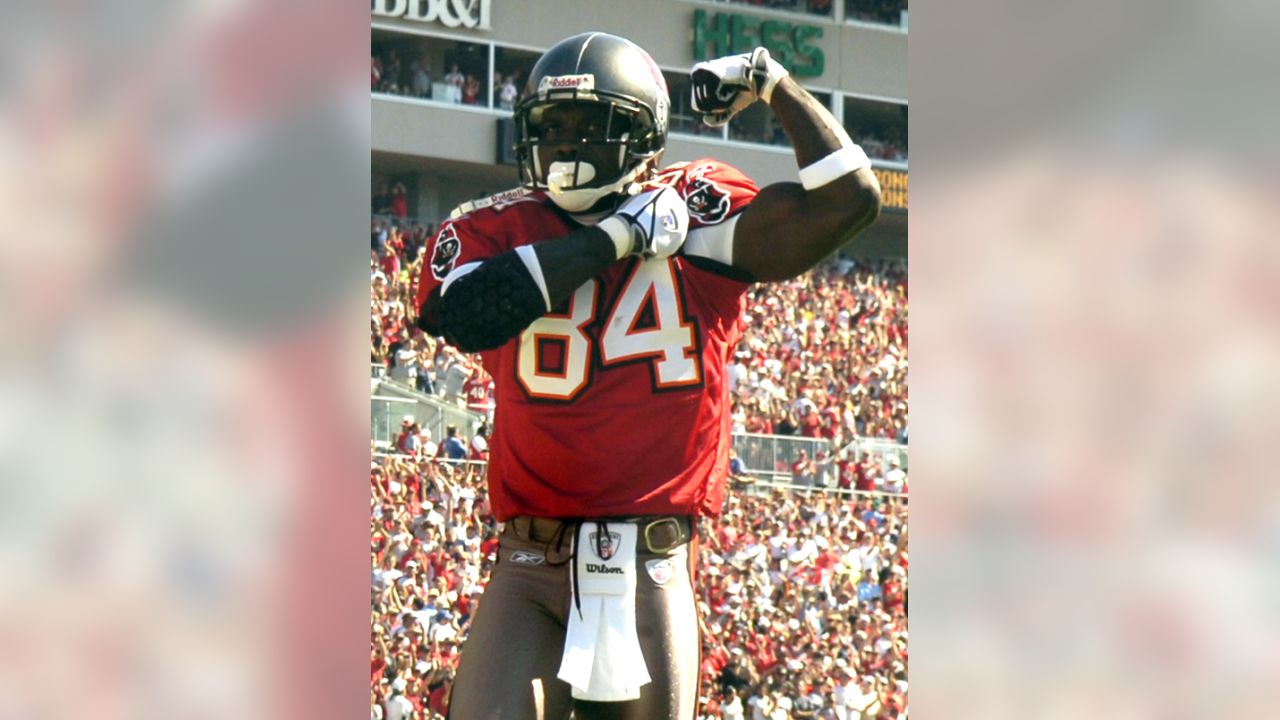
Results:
560 175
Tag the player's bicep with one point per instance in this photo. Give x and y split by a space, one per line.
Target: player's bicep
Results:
759 237
787 230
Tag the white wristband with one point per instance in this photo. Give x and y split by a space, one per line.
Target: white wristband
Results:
620 233
836 165
529 257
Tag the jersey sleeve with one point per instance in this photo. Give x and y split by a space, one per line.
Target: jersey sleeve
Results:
715 194
460 240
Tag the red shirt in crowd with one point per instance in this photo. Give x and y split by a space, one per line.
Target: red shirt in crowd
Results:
811 425
478 390
390 264
399 203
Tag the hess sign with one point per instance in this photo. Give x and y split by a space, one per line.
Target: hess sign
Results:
730 33
469 14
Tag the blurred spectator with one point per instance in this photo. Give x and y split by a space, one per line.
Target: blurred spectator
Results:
398 707
865 701
407 440
478 390
422 77
399 201
455 78
818 7
508 91
895 480
471 90
452 448
738 475
731 707
479 449
803 470
885 12
427 448
382 201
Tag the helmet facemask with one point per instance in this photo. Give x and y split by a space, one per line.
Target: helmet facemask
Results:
615 144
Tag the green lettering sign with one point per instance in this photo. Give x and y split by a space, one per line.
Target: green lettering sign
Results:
715 34
719 34
816 63
776 38
741 40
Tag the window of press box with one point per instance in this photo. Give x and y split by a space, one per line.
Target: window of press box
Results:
881 12
757 124
511 70
879 127
430 68
808 7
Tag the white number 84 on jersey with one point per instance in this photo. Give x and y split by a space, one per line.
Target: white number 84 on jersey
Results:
646 321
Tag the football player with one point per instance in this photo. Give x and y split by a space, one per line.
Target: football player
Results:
605 296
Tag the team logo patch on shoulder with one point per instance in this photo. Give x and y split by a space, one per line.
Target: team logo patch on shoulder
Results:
445 256
605 545
524 557
708 202
660 570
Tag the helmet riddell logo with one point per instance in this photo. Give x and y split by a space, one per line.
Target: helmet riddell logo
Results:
567 82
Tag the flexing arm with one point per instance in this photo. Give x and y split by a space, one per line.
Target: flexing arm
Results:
788 229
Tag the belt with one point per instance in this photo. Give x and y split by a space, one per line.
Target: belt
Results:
660 534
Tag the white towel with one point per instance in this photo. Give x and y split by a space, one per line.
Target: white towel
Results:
602 658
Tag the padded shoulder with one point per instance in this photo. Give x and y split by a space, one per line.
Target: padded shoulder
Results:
499 201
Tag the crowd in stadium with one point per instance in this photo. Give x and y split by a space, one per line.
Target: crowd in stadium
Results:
824 355
803 597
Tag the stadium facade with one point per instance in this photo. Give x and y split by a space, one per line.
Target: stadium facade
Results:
446 146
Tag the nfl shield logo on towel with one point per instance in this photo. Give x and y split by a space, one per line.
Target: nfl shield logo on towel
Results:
660 570
605 544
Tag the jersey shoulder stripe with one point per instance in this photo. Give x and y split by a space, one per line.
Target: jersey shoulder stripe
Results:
498 201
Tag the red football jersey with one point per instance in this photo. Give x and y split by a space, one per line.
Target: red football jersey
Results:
616 402
477 390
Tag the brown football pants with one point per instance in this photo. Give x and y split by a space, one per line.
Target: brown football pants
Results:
509 661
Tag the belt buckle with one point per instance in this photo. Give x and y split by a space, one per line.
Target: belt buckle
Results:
658 523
